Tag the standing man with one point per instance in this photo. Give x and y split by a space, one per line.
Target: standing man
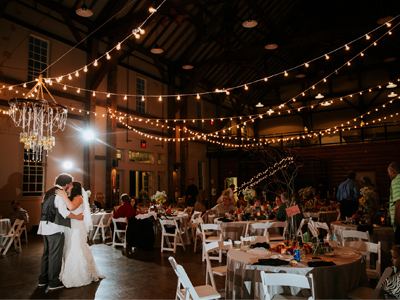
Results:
54 219
394 204
348 195
191 193
231 194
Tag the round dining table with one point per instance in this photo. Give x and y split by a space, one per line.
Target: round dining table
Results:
382 234
243 279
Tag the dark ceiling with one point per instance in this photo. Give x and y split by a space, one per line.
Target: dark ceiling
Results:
209 35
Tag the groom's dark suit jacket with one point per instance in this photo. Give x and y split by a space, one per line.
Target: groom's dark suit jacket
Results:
50 212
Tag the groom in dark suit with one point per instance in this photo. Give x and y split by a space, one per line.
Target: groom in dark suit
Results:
54 219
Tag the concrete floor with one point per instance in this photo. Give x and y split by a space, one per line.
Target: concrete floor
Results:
129 275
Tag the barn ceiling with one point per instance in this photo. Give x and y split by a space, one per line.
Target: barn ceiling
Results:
209 35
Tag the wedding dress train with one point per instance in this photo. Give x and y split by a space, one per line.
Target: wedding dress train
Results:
78 267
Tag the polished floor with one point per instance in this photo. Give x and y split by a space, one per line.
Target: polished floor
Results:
129 274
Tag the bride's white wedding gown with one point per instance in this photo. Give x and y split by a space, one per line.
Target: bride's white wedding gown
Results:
78 266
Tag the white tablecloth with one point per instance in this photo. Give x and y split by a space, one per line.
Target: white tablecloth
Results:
5 226
243 280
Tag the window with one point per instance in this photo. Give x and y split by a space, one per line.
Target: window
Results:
141 157
200 175
140 91
199 115
32 184
38 57
120 154
140 185
160 159
160 178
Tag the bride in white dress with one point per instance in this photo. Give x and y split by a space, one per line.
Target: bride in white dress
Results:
78 266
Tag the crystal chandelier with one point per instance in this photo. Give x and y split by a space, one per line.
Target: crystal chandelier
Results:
38 118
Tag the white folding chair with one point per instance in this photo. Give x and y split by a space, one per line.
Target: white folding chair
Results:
364 292
219 270
23 229
185 289
193 223
286 279
255 239
173 231
216 231
366 248
13 236
276 236
103 227
256 229
354 235
120 233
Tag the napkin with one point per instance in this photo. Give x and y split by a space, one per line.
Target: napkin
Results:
225 220
365 228
314 264
260 245
271 262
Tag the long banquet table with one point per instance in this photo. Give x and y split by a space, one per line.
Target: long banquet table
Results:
243 280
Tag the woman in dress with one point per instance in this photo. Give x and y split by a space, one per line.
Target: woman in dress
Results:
78 266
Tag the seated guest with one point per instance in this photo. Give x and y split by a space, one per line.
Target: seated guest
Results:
257 208
134 205
18 213
222 208
97 201
126 210
391 286
278 203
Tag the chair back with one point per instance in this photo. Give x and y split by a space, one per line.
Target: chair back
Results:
119 220
276 224
195 216
299 230
168 223
255 228
255 239
210 227
287 279
15 228
366 248
355 235
107 220
386 274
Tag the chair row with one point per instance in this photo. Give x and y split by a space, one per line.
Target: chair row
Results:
13 237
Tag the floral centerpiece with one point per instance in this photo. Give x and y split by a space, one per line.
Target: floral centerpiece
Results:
160 198
249 194
307 192
368 201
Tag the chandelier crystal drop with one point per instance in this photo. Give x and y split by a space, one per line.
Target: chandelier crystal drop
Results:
38 118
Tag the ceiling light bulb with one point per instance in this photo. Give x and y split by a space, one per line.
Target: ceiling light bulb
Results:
347 47
119 46
152 10
178 98
108 56
306 65
160 98
198 97
85 69
143 99
391 85
319 96
141 31
392 95
259 104
246 87
95 63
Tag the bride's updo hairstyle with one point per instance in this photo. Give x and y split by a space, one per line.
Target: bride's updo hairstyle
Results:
76 190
